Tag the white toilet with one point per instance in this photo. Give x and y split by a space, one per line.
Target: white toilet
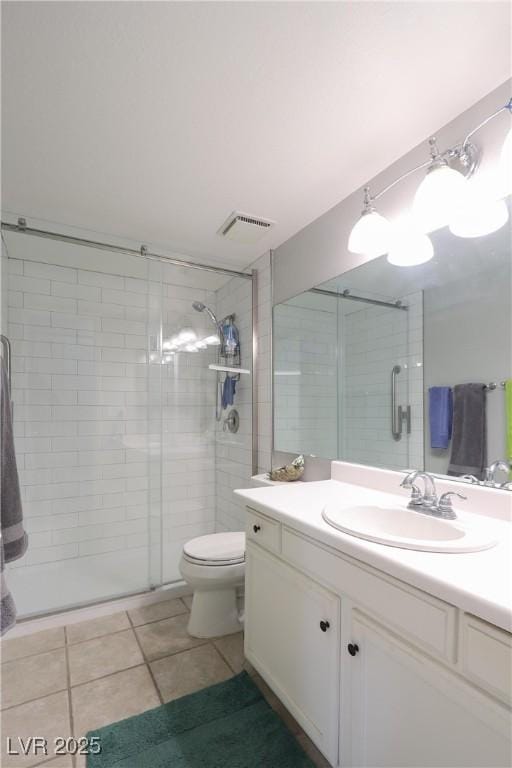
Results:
214 566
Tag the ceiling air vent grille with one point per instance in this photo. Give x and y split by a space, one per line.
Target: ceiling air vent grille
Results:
243 228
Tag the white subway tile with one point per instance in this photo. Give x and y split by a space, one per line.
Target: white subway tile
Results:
50 272
51 303
29 317
75 322
101 280
85 292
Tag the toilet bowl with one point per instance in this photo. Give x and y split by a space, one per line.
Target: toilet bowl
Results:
214 566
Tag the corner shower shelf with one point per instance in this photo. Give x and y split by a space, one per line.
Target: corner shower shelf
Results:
227 369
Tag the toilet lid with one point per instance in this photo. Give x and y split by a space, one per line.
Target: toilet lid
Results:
217 547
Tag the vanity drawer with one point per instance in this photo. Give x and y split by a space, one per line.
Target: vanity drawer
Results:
486 656
264 530
425 620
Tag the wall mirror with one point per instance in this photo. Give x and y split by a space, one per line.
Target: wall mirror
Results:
355 358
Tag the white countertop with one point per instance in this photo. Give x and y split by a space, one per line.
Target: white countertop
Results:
477 582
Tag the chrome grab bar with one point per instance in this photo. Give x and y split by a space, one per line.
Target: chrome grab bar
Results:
396 414
6 344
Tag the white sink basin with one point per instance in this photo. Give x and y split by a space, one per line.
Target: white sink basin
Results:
407 529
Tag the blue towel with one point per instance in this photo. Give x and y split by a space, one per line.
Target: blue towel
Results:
440 410
228 391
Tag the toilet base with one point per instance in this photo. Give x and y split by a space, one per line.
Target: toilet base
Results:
214 613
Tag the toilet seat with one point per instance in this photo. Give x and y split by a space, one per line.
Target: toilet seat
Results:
216 549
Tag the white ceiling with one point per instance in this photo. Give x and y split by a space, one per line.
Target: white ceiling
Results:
154 120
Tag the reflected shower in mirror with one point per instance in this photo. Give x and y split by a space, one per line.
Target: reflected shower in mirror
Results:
373 366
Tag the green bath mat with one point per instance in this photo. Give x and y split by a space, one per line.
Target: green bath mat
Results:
229 725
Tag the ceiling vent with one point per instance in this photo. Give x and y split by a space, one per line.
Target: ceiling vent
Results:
243 228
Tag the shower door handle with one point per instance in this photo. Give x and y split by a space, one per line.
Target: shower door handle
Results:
396 413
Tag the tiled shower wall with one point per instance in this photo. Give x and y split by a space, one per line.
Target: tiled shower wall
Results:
374 340
234 451
306 384
88 421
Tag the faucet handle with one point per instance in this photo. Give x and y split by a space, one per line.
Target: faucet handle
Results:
416 496
445 504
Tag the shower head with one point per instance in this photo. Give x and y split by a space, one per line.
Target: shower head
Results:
200 307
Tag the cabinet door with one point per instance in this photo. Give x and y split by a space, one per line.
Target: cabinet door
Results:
407 710
292 637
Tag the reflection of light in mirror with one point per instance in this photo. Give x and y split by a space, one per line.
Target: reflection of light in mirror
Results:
370 235
436 197
187 334
409 246
506 160
479 212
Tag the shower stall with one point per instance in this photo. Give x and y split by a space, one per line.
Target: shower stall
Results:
117 366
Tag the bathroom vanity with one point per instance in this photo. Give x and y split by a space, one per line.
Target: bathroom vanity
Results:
385 656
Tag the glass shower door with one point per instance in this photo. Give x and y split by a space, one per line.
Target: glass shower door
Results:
79 322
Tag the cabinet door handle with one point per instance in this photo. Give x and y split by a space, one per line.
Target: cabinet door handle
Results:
324 626
256 528
352 648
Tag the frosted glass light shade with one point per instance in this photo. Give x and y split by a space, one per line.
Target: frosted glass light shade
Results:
409 246
212 341
370 235
506 162
478 217
436 197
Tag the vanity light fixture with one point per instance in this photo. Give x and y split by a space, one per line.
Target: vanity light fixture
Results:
370 235
439 193
438 201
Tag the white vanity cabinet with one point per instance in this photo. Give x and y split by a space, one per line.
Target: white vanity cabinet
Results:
407 710
293 639
377 672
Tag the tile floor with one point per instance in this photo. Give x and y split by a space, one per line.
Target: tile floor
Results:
69 680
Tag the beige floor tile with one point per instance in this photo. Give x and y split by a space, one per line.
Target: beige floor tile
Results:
33 677
189 671
157 611
162 638
102 656
188 601
277 705
112 698
312 752
231 647
47 717
38 642
104 625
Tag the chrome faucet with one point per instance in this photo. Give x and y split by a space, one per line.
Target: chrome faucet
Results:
490 472
428 502
421 501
